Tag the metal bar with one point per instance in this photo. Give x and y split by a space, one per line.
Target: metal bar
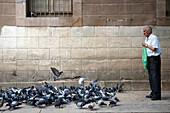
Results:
54 7
45 7
49 5
35 7
31 8
63 8
58 7
40 7
68 8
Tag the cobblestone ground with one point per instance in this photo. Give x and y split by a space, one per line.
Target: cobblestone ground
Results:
130 101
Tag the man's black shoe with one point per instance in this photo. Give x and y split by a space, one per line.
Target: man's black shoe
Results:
155 97
148 96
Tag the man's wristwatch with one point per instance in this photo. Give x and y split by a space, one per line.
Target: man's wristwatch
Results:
146 45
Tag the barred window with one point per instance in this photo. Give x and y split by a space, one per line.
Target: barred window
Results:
49 8
168 8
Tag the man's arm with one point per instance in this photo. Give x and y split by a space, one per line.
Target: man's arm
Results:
148 46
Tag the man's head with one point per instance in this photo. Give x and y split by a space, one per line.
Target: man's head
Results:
147 30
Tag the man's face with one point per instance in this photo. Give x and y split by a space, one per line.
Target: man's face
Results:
146 33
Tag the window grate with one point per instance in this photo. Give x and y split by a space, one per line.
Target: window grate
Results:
49 8
168 8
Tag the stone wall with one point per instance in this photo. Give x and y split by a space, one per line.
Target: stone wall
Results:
112 54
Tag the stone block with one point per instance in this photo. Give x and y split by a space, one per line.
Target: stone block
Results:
9 20
7 65
27 43
89 42
138 8
125 53
92 65
119 20
82 31
37 54
111 83
21 76
119 64
71 65
165 75
165 64
126 75
94 20
161 9
71 83
137 64
37 22
6 85
46 64
88 9
110 9
13 54
140 85
130 31
150 8
75 42
168 52
143 19
91 75
8 43
164 54
23 84
139 74
9 8
83 54
0 54
60 31
137 53
39 76
161 31
125 8
107 53
49 42
119 42
65 42
54 54
165 86
108 75
27 65
20 10
164 43
21 31
137 41
38 31
106 31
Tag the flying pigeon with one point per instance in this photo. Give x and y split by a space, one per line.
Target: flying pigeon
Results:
56 73
81 81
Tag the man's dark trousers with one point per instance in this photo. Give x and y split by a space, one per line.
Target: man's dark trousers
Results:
154 71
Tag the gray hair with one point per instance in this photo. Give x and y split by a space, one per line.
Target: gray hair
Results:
148 27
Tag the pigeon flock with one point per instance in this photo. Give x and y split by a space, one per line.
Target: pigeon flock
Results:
58 96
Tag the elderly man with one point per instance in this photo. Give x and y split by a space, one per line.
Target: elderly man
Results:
154 63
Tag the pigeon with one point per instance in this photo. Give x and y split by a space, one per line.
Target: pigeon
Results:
119 87
13 104
80 104
91 106
94 83
56 73
81 81
1 101
101 103
113 102
58 102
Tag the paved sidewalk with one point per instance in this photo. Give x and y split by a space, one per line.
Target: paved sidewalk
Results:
130 101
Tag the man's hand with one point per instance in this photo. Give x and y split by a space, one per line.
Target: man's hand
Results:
143 44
